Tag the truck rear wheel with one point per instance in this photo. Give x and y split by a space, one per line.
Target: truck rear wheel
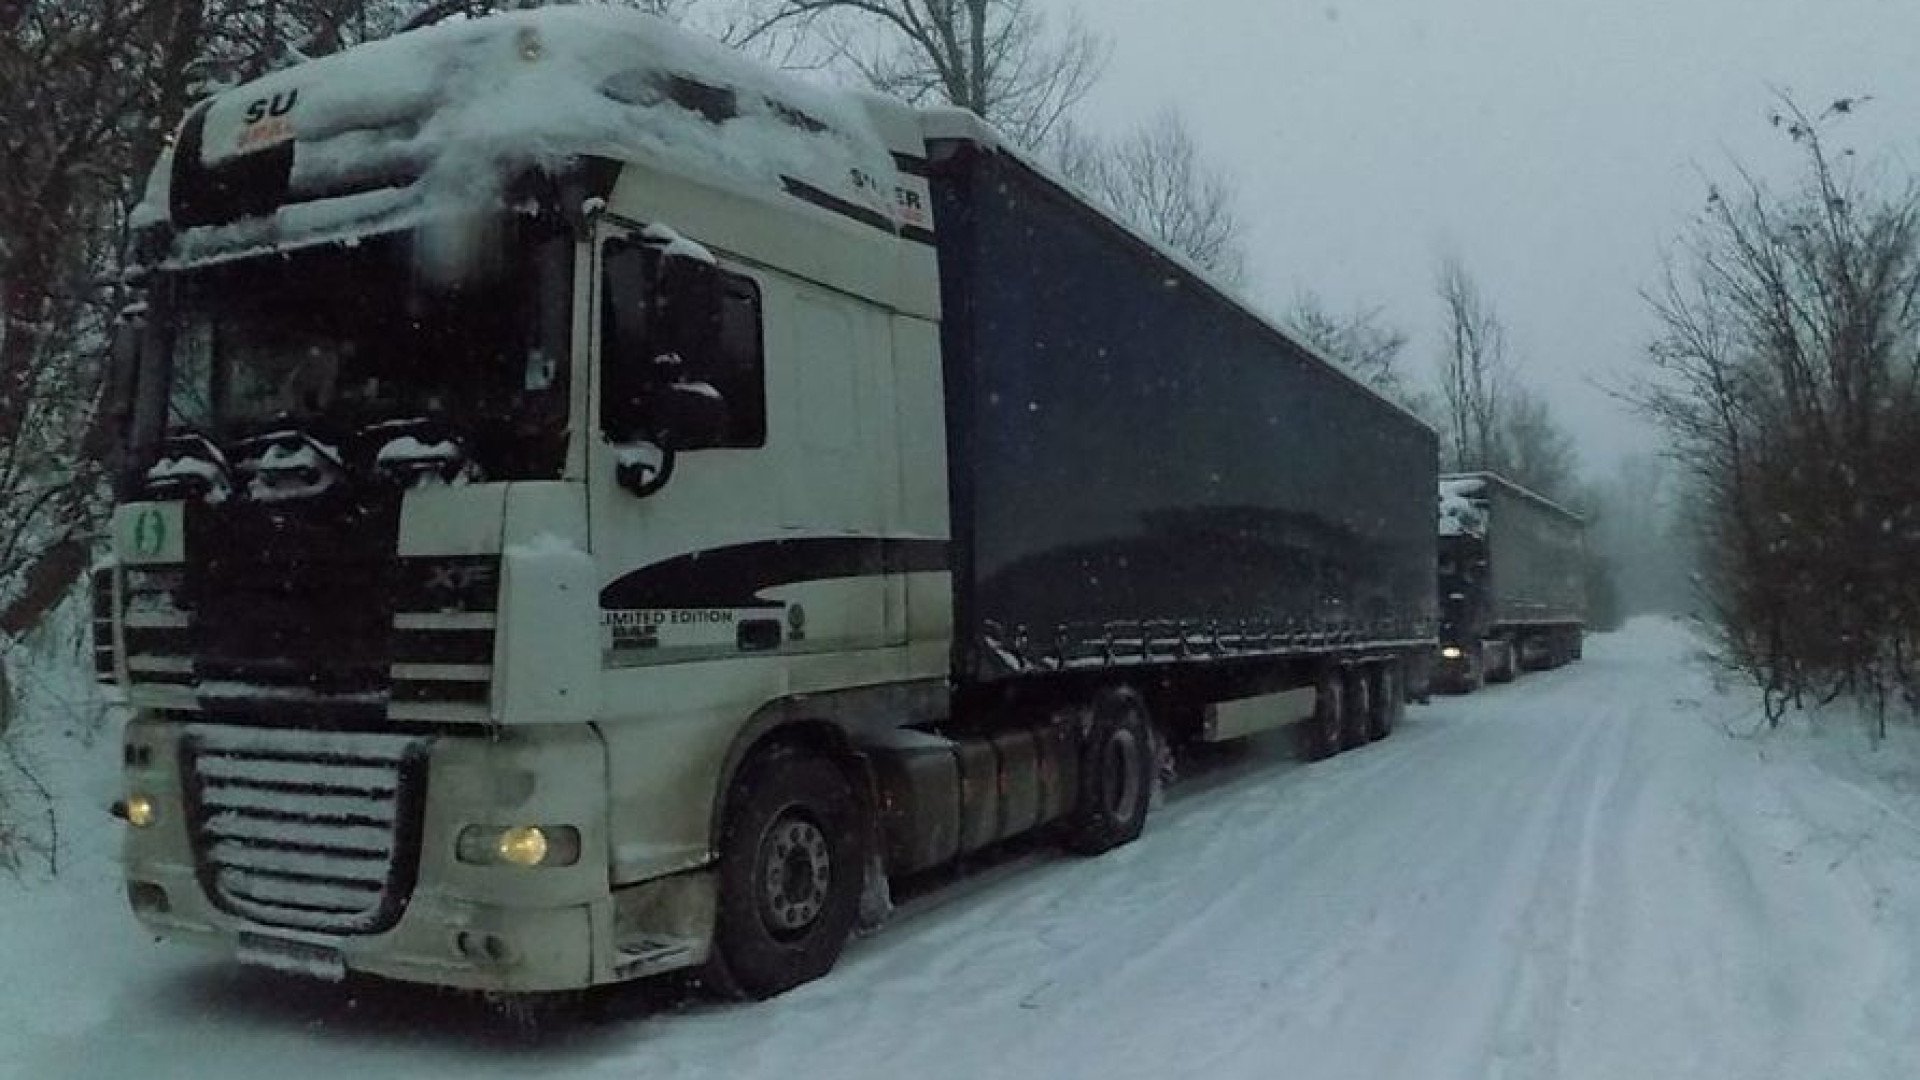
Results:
1325 734
792 860
1502 663
1357 724
1388 693
1117 767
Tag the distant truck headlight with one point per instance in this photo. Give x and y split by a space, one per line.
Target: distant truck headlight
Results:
519 845
1451 652
138 811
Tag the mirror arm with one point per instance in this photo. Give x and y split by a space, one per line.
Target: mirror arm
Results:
642 482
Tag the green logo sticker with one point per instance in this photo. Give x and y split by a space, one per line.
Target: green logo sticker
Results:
149 532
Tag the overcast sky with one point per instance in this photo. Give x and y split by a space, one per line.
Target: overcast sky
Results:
1554 145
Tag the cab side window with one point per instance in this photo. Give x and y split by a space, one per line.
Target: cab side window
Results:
672 330
739 368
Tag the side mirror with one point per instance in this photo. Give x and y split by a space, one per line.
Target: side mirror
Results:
690 415
630 274
688 296
123 367
685 416
643 468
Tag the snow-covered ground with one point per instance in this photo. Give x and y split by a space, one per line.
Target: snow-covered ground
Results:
1580 875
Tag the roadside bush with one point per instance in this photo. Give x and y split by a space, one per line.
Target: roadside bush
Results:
1787 374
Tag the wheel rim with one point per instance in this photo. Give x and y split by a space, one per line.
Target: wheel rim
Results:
796 871
1120 774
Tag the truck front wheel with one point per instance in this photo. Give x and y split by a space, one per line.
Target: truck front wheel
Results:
1117 767
791 866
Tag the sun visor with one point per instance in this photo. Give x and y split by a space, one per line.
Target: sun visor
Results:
307 133
237 185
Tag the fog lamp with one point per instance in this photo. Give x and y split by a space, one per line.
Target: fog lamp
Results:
524 845
519 845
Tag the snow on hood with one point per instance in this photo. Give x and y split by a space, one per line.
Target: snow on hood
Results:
466 106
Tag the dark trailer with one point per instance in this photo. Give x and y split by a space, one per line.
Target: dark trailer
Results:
1145 472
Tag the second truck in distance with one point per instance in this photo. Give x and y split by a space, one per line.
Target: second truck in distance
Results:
1512 581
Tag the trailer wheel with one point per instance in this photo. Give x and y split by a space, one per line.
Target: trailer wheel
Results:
1325 734
1508 667
792 866
1357 725
1388 692
1475 679
1117 766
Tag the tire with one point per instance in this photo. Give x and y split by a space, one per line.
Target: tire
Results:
1388 695
1324 735
792 867
1357 723
1509 661
1117 765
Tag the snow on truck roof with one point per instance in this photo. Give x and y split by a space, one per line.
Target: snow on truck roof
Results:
1463 495
459 109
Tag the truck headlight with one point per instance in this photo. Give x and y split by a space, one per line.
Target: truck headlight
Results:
519 845
139 811
1451 652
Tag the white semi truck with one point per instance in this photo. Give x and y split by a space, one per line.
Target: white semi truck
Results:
596 507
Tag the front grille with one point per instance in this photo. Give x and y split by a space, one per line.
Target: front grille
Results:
306 830
302 627
105 668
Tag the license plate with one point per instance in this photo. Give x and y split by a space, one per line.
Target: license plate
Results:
294 957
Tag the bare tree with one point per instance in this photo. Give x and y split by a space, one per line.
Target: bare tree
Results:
1534 450
89 92
1153 177
999 58
1637 528
1787 375
1362 340
441 10
1474 371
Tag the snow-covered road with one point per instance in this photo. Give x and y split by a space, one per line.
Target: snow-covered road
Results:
1579 875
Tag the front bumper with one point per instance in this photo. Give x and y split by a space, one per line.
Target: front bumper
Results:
1455 670
497 928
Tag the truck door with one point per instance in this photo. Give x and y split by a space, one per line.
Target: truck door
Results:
834 421
758 537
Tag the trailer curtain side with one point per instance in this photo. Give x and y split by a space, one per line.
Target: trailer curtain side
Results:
1142 470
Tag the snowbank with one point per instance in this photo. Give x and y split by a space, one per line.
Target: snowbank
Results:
1592 874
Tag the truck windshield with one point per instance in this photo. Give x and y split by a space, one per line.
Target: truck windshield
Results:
339 339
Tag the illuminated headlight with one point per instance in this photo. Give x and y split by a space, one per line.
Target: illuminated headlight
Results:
519 845
528 44
139 811
1451 652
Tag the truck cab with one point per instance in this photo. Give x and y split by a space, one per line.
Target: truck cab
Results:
479 520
